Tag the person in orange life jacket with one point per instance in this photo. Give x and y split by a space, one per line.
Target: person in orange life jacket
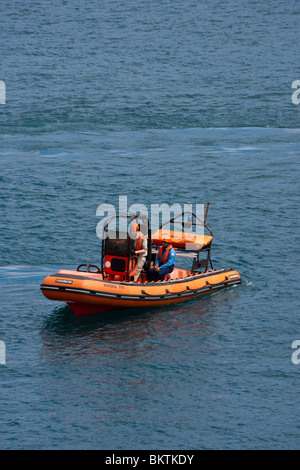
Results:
140 246
164 263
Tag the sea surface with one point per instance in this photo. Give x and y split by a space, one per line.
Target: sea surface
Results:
162 102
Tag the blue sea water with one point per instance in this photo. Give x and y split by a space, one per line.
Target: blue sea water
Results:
163 102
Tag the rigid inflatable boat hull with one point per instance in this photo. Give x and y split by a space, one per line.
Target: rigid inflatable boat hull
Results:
88 293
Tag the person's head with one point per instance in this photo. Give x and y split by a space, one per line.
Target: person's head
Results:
165 243
134 229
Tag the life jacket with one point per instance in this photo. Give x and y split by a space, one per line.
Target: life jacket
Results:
164 259
139 241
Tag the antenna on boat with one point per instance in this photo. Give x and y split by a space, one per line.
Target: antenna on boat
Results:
189 222
206 211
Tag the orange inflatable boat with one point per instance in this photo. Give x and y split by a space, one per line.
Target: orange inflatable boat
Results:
90 289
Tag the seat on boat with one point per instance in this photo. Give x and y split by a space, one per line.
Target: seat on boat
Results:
177 273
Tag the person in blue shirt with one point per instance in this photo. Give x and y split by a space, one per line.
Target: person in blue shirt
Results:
164 263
